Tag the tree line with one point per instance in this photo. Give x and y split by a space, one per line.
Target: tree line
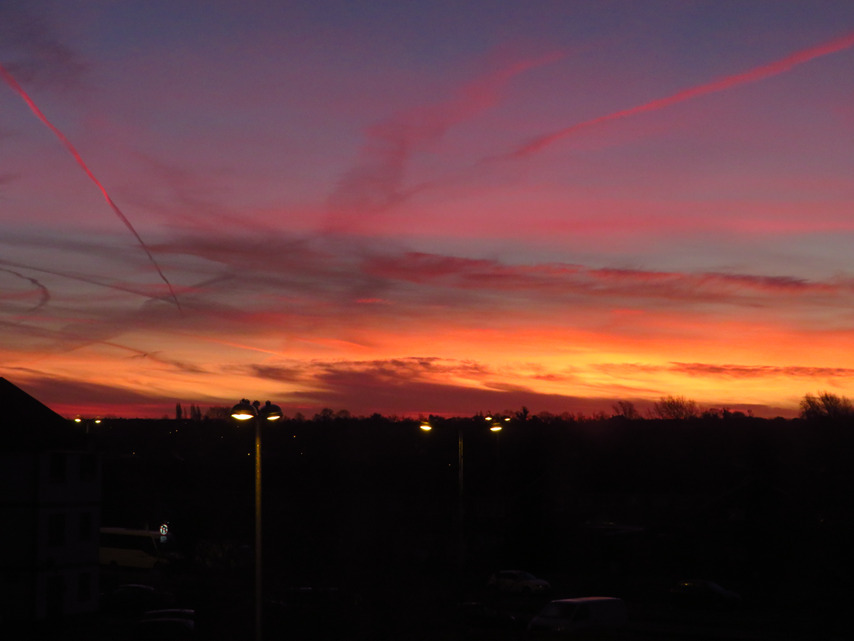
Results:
820 406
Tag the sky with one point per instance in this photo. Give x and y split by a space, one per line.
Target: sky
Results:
426 207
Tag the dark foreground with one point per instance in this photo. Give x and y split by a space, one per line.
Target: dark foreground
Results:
436 606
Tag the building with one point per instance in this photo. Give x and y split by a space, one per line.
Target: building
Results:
50 503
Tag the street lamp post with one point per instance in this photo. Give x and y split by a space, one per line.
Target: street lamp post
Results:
245 411
87 422
461 503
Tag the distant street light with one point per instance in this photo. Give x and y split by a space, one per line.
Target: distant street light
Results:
87 422
245 411
461 549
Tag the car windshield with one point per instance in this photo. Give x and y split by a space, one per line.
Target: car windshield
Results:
524 576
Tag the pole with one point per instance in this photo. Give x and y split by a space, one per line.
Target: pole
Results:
258 591
498 465
462 508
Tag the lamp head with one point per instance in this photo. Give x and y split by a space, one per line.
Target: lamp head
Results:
271 412
495 427
244 410
425 425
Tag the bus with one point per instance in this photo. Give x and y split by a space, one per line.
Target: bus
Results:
141 549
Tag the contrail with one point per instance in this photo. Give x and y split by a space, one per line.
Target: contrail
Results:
758 73
77 277
45 294
14 85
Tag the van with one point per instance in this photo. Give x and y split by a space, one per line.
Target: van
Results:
141 549
584 616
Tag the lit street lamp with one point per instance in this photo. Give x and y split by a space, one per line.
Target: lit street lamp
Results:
245 411
87 422
461 549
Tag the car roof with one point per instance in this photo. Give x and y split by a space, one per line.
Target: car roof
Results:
586 599
170 613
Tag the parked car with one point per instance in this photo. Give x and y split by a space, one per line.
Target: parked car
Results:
580 616
697 593
166 629
172 613
133 600
517 582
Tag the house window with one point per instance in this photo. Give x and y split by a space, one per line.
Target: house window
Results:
57 467
88 467
84 589
56 530
86 526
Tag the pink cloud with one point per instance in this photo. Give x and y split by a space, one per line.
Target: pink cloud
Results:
376 182
486 275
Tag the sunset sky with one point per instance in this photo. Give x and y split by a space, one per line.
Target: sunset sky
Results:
426 207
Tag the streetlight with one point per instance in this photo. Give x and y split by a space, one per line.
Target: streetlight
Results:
245 411
461 549
87 422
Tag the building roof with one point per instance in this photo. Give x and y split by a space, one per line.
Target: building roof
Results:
26 424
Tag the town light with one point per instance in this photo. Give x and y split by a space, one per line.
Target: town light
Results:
270 412
461 546
245 411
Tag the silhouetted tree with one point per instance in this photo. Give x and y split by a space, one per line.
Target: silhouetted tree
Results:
675 407
826 406
326 414
627 410
218 412
522 414
178 412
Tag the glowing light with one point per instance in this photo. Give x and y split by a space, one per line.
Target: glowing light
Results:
495 427
271 412
78 420
426 426
244 410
